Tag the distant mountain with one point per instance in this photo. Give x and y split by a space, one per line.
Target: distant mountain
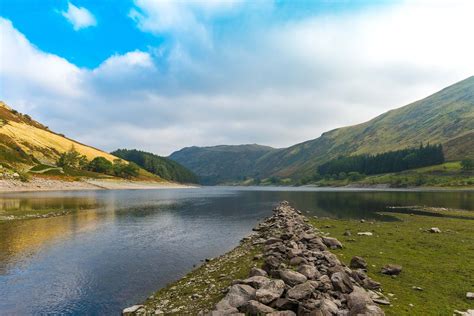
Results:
220 164
446 117
25 142
163 167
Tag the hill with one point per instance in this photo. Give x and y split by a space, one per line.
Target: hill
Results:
163 167
24 141
220 164
446 117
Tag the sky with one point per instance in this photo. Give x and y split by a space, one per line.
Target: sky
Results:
159 75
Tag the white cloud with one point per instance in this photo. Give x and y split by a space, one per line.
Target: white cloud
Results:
278 84
79 17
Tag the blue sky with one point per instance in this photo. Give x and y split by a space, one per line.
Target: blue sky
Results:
160 75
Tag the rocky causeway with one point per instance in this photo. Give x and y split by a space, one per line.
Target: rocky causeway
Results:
296 274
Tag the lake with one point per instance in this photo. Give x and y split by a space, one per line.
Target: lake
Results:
115 248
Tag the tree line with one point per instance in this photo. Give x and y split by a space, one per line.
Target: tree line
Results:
119 168
392 161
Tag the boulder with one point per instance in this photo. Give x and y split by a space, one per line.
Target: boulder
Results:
332 243
256 281
391 269
309 271
238 295
131 310
358 263
292 278
270 291
341 282
303 290
257 272
256 308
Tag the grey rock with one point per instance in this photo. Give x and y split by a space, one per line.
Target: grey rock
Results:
391 269
470 295
256 281
257 272
237 296
309 271
270 291
292 277
332 243
358 263
256 308
282 313
131 310
341 282
434 230
302 290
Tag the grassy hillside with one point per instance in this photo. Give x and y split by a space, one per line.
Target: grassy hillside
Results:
28 146
163 167
221 164
25 141
446 117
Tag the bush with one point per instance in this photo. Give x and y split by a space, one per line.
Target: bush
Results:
100 165
467 164
124 170
72 159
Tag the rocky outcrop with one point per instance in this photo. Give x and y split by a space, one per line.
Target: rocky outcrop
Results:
299 276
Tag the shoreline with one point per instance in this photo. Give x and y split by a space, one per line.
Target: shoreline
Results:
285 267
46 185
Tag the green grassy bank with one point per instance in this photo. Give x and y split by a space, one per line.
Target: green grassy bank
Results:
441 264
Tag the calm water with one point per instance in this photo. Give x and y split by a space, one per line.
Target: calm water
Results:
117 247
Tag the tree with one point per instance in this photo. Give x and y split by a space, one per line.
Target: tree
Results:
124 170
72 159
467 164
101 165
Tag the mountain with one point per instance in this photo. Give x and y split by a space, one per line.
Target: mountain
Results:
163 167
220 164
25 142
446 117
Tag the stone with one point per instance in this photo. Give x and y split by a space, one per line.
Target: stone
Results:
131 310
341 282
391 269
365 233
309 271
271 263
270 291
358 263
358 297
256 281
238 295
347 233
328 307
292 278
257 272
296 261
285 303
256 308
417 288
434 230
470 295
301 291
282 313
381 301
332 243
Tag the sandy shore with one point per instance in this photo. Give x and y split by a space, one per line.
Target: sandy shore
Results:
38 184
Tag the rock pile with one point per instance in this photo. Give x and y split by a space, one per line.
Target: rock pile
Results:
299 275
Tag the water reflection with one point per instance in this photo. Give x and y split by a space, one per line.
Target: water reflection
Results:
118 246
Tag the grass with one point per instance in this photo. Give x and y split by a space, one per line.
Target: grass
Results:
448 174
208 280
441 264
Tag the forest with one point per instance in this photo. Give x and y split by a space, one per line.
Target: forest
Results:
391 161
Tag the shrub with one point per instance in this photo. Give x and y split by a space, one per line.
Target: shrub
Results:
101 165
467 164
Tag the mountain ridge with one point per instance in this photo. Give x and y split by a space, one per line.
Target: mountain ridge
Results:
445 117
